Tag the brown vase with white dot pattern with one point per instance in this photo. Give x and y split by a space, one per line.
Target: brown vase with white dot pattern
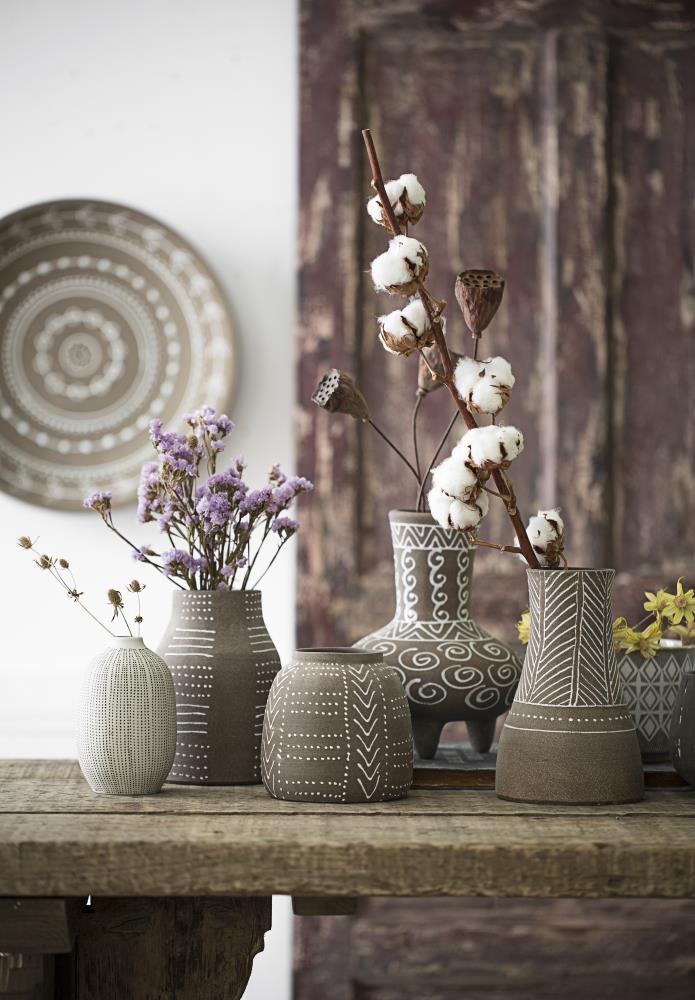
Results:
337 729
223 662
127 720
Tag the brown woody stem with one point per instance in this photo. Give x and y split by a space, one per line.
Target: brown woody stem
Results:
493 545
435 322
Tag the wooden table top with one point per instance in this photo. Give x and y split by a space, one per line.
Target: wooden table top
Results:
59 839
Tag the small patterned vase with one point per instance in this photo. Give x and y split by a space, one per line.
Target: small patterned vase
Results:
451 668
127 724
570 737
223 662
682 730
650 688
337 729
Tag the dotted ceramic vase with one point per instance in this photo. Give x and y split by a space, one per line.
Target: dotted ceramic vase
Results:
337 729
127 722
569 736
223 662
451 668
651 689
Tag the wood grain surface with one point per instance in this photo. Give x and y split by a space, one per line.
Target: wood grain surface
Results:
58 839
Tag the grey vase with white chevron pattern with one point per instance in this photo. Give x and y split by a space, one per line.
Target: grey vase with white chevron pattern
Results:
451 668
337 729
569 736
223 662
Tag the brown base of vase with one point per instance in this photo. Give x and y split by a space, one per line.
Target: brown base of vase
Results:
569 768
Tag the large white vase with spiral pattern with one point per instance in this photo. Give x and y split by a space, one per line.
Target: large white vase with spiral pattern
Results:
570 736
127 722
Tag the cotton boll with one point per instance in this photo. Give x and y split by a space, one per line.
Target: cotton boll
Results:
454 478
484 386
546 532
439 504
399 268
404 331
407 197
466 375
413 188
465 516
490 447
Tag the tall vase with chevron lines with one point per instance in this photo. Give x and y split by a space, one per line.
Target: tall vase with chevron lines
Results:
337 729
223 662
570 736
451 668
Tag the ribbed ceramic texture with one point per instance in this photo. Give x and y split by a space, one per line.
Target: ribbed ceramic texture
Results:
682 730
337 729
451 668
569 736
127 721
651 688
223 662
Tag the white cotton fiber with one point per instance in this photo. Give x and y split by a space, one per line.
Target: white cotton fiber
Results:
490 447
484 386
454 478
397 268
406 189
468 515
439 504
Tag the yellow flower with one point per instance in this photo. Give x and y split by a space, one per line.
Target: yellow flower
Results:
681 606
523 627
656 602
645 642
620 631
686 633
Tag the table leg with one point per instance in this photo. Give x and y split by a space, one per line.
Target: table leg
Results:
157 949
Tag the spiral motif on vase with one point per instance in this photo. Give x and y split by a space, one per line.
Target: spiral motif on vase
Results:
425 693
438 584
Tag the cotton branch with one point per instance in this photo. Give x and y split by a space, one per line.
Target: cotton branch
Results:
434 316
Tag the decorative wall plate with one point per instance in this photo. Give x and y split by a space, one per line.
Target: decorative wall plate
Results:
107 319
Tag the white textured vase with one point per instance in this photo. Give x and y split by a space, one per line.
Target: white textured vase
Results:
127 724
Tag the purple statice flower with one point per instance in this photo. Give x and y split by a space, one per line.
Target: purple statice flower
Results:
148 492
206 421
214 508
100 501
142 553
234 565
284 494
285 526
277 477
179 452
177 562
256 502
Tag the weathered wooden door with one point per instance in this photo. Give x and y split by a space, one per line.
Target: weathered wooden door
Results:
556 142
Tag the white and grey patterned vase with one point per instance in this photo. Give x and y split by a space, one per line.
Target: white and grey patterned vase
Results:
570 736
651 690
337 729
452 669
127 723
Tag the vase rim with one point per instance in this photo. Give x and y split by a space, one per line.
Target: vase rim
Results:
126 641
570 569
217 594
413 517
348 654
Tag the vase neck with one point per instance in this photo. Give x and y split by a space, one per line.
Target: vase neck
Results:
433 568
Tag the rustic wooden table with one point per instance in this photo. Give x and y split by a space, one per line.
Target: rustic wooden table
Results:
181 882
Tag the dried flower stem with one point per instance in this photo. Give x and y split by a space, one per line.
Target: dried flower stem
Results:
474 540
109 524
442 442
435 322
395 448
416 452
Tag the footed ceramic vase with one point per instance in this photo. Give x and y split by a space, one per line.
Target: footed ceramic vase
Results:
682 730
651 688
223 662
569 736
127 722
337 729
451 668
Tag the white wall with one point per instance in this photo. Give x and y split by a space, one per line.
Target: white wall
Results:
185 109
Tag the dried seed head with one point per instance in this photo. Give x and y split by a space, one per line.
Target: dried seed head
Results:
479 294
64 564
44 562
115 598
138 619
135 587
425 382
25 542
337 392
